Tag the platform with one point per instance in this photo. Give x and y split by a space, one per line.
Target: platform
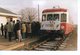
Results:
6 45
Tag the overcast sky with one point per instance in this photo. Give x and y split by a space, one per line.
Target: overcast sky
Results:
17 5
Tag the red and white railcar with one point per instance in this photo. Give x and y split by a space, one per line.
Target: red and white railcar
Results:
56 19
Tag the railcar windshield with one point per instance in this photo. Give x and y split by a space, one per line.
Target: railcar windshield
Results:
52 17
43 17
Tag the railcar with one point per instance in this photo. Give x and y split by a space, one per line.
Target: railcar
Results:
55 21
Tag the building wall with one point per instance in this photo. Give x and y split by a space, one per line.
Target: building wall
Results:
8 19
15 19
4 20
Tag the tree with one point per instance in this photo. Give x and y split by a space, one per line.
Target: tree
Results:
28 14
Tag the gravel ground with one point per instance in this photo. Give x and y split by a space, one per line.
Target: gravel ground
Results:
71 43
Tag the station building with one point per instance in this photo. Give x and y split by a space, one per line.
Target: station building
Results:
6 15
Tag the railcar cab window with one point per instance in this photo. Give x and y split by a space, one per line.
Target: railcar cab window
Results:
52 17
49 17
43 17
56 16
63 17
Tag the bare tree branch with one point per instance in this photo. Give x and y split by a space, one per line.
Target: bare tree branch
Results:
29 13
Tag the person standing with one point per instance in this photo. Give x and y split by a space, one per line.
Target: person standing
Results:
15 31
18 28
5 30
10 29
23 30
2 28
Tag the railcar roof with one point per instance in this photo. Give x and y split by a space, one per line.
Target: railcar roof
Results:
55 10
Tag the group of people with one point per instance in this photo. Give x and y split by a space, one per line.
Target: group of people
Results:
12 29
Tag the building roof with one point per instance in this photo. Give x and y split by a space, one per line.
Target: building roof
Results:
7 13
2 10
55 10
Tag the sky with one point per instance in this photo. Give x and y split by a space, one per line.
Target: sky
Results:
16 5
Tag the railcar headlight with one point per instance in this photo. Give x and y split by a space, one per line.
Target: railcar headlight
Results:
62 27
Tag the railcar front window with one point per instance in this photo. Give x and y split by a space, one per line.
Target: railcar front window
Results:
49 17
56 16
44 18
52 17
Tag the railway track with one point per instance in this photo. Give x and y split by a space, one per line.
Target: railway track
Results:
51 45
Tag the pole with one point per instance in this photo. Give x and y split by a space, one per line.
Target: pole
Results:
38 14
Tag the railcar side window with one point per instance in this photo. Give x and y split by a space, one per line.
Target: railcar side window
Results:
44 18
63 17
